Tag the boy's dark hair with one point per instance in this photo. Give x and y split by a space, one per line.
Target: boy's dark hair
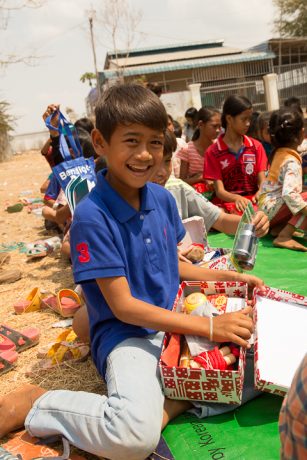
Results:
100 164
253 127
234 105
191 113
262 121
127 104
155 88
285 127
204 114
84 123
177 128
170 143
294 103
86 144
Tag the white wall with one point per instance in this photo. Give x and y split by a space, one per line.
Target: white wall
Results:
29 141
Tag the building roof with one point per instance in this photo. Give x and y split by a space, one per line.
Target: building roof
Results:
165 49
130 61
190 64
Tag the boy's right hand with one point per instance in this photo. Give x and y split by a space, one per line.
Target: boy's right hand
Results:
241 203
55 120
234 327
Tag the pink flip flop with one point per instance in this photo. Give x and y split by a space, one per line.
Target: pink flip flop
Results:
13 340
7 361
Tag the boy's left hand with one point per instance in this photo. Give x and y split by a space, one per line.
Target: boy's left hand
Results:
262 223
253 282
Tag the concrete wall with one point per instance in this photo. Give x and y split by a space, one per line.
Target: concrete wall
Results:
29 141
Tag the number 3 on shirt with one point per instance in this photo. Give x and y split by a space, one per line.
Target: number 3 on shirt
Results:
84 255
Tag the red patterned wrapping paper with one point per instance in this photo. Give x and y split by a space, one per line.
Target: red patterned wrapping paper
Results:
200 384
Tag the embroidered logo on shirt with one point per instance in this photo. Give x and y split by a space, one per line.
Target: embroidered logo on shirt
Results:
224 163
249 168
84 256
249 158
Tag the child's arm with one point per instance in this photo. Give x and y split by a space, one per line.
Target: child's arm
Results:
240 201
184 168
260 179
235 327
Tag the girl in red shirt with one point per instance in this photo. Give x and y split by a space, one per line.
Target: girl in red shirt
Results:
236 163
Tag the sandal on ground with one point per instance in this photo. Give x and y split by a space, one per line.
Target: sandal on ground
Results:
32 302
9 276
7 361
42 248
67 347
15 208
10 339
66 302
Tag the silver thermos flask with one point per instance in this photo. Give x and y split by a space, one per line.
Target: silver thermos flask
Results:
245 248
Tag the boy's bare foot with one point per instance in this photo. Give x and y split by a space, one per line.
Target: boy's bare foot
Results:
15 406
289 243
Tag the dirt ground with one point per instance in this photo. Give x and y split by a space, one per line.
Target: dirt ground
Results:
26 172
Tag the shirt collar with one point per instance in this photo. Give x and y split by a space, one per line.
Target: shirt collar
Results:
247 142
120 208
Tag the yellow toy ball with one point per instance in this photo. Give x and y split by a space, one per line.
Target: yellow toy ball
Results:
193 301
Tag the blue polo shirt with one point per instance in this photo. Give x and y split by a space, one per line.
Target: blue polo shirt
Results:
109 238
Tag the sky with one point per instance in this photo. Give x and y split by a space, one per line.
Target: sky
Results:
58 35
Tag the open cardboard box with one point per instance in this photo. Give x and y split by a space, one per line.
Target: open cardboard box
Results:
280 319
200 384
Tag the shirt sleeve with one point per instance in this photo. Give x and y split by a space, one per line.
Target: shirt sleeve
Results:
212 168
53 189
292 186
183 154
200 206
95 250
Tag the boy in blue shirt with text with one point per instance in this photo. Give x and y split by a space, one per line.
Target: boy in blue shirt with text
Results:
125 255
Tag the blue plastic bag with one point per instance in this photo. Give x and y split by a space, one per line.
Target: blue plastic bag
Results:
74 164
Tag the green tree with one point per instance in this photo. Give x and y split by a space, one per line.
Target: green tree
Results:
292 20
88 76
6 126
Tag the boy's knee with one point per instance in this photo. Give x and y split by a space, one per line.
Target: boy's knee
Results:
139 445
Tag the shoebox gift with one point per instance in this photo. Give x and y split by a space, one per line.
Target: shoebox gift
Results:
196 249
280 338
195 368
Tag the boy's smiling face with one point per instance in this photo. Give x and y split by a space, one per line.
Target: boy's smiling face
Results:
133 154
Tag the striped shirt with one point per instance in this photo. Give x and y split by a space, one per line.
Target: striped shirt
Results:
293 418
191 155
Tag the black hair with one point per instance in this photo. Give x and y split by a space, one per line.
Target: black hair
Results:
84 123
204 114
294 103
253 127
177 128
86 144
155 88
262 121
285 126
191 113
126 104
234 105
170 143
100 164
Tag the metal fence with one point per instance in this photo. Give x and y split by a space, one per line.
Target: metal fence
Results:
291 81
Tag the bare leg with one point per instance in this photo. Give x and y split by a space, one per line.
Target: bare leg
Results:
172 408
15 406
81 325
285 240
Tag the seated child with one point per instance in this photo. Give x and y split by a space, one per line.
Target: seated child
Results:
236 163
281 196
191 203
124 239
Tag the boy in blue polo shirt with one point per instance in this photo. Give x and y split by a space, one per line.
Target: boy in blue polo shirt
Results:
124 250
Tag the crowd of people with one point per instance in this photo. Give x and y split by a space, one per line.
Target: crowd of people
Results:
123 240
